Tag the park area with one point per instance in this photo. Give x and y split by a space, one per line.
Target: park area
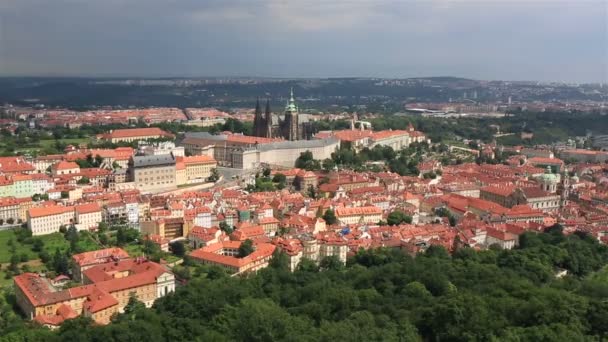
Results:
11 145
30 251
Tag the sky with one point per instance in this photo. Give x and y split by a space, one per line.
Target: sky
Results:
540 40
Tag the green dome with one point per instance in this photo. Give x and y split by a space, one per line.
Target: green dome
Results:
549 177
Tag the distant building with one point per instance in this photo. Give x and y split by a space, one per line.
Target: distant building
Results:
225 254
196 169
358 215
109 286
153 173
134 134
245 152
291 127
586 156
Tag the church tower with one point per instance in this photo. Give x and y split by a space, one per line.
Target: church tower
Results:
268 120
291 128
258 121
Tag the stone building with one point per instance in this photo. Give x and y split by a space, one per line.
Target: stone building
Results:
152 173
245 152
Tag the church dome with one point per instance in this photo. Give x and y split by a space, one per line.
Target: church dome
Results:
548 177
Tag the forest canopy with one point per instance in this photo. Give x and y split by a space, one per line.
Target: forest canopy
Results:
387 295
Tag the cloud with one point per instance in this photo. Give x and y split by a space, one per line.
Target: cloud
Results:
490 39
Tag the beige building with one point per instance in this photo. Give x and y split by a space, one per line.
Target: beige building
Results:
134 134
48 220
308 247
9 209
198 168
170 228
358 215
65 168
245 152
153 173
87 216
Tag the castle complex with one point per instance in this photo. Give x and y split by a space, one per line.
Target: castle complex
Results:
290 127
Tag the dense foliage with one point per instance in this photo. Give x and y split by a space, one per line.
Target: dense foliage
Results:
380 295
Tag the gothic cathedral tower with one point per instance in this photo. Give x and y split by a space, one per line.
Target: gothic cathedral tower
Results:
291 128
268 121
258 121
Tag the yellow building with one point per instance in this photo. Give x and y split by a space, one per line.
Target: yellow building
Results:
369 214
198 168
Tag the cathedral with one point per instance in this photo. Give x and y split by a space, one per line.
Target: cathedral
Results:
289 127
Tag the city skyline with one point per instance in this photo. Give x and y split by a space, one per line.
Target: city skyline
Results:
558 41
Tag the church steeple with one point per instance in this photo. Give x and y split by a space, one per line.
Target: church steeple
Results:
258 121
268 120
291 126
291 104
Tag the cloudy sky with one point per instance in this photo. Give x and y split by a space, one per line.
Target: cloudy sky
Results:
548 40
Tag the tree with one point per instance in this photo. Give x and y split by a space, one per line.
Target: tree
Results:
102 227
397 217
330 217
60 262
311 192
225 227
83 180
14 265
245 248
215 175
266 172
37 245
306 161
133 307
328 164
331 263
178 248
98 160
279 178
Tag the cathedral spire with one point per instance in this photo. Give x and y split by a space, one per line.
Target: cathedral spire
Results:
268 120
291 104
258 121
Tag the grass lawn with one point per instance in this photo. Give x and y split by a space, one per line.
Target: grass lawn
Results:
134 250
51 243
75 141
5 254
170 258
54 241
50 143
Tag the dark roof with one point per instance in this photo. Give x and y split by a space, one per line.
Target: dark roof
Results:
160 160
